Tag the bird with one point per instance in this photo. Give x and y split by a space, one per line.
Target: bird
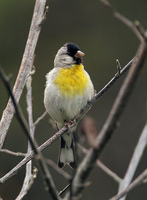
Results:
68 90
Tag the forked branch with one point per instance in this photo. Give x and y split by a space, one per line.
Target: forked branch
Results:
118 107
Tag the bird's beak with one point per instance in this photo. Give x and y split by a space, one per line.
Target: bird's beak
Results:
79 54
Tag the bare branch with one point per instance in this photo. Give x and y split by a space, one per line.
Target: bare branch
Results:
13 153
109 172
32 155
103 167
45 172
112 121
107 130
25 68
28 181
140 179
40 118
60 171
138 152
123 19
106 87
62 191
18 111
65 128
30 106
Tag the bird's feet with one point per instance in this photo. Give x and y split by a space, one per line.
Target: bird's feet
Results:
70 123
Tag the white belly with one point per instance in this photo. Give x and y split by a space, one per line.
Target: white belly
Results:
61 107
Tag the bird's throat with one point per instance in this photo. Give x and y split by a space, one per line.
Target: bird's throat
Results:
72 81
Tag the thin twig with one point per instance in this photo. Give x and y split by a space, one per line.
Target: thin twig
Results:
108 171
65 128
46 174
106 87
60 171
62 191
13 153
28 181
137 155
123 19
18 111
13 171
25 68
139 180
102 166
111 123
40 118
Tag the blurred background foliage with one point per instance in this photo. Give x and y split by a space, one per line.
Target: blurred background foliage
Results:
103 39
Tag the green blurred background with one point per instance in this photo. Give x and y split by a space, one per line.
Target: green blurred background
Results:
103 39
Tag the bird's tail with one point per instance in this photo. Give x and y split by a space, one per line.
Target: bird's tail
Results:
67 151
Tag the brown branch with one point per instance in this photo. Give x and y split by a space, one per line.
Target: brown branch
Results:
106 87
25 68
45 172
28 158
111 123
65 128
88 130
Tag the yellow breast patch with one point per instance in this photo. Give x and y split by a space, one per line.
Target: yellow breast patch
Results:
72 81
